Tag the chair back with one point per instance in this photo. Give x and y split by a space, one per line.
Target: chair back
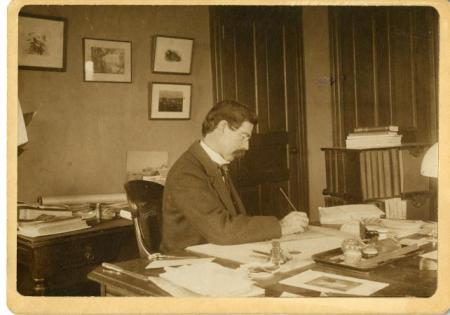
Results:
145 202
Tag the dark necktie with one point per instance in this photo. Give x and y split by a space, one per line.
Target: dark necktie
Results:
227 180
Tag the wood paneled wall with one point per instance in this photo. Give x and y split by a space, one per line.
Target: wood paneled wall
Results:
385 70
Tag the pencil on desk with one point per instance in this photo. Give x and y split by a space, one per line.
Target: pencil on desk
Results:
261 252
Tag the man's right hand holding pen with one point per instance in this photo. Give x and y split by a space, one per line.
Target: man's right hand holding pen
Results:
294 222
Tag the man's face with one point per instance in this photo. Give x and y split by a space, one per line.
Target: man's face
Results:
235 141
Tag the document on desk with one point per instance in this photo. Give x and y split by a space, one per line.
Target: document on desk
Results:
213 280
332 283
300 247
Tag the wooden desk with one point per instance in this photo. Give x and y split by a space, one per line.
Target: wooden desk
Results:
404 276
58 264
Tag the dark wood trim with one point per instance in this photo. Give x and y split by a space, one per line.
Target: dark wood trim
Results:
302 143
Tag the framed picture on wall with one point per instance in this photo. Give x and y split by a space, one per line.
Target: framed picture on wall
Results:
106 60
172 54
169 100
41 43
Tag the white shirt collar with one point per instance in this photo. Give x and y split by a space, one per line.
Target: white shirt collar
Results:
213 155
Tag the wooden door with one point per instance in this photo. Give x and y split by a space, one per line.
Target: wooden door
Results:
257 61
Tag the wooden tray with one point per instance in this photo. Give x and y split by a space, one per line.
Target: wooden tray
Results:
335 257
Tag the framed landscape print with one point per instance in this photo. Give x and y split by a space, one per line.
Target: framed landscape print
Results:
169 100
172 55
41 43
107 60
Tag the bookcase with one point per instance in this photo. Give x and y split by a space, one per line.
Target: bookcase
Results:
371 175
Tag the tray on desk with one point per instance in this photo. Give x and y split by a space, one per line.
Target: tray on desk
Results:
335 257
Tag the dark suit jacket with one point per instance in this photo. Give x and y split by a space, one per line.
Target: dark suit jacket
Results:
198 208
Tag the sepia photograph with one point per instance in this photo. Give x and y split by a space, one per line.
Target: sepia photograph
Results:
107 60
333 283
293 162
172 54
41 43
170 100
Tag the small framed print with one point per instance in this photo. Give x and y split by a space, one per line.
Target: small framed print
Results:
41 43
172 54
107 60
169 100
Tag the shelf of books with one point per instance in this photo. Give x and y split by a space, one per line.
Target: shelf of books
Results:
362 173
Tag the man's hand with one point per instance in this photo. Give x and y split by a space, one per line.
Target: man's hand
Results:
294 222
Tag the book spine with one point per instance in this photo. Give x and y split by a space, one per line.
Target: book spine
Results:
362 166
395 172
380 128
387 173
372 134
335 172
400 162
328 171
370 194
374 175
381 186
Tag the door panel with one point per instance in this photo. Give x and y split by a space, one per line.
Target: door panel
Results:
266 76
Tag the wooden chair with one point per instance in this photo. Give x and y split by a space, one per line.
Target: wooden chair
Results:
145 201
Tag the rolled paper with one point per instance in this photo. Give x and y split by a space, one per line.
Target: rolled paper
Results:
80 199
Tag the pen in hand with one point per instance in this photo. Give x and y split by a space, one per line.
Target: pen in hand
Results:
288 200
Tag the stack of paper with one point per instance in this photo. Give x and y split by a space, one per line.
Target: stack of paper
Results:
395 208
300 247
50 226
346 213
373 137
213 280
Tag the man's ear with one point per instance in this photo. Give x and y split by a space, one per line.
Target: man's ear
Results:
222 125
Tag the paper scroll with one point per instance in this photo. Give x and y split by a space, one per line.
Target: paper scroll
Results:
80 199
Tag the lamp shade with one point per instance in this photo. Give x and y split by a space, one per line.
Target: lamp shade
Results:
429 165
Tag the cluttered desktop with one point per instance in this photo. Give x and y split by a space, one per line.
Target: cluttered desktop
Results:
94 245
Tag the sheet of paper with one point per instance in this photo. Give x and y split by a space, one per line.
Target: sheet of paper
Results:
300 247
328 282
412 241
290 295
171 288
176 262
211 279
431 255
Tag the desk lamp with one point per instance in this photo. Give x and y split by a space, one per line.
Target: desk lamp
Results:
429 168
429 165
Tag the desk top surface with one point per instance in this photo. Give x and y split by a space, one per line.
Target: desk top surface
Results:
404 277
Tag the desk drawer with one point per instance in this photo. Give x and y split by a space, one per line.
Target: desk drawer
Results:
92 250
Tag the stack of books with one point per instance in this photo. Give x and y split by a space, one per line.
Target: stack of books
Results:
373 137
46 224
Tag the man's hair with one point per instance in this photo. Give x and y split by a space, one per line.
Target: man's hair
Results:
233 112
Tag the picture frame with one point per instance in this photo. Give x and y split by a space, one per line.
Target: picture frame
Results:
107 60
42 42
172 54
170 100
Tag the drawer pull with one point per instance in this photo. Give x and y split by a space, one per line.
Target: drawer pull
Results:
88 254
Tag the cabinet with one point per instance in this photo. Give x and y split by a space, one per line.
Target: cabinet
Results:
58 264
370 175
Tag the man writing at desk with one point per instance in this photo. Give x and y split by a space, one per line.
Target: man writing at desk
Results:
201 204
